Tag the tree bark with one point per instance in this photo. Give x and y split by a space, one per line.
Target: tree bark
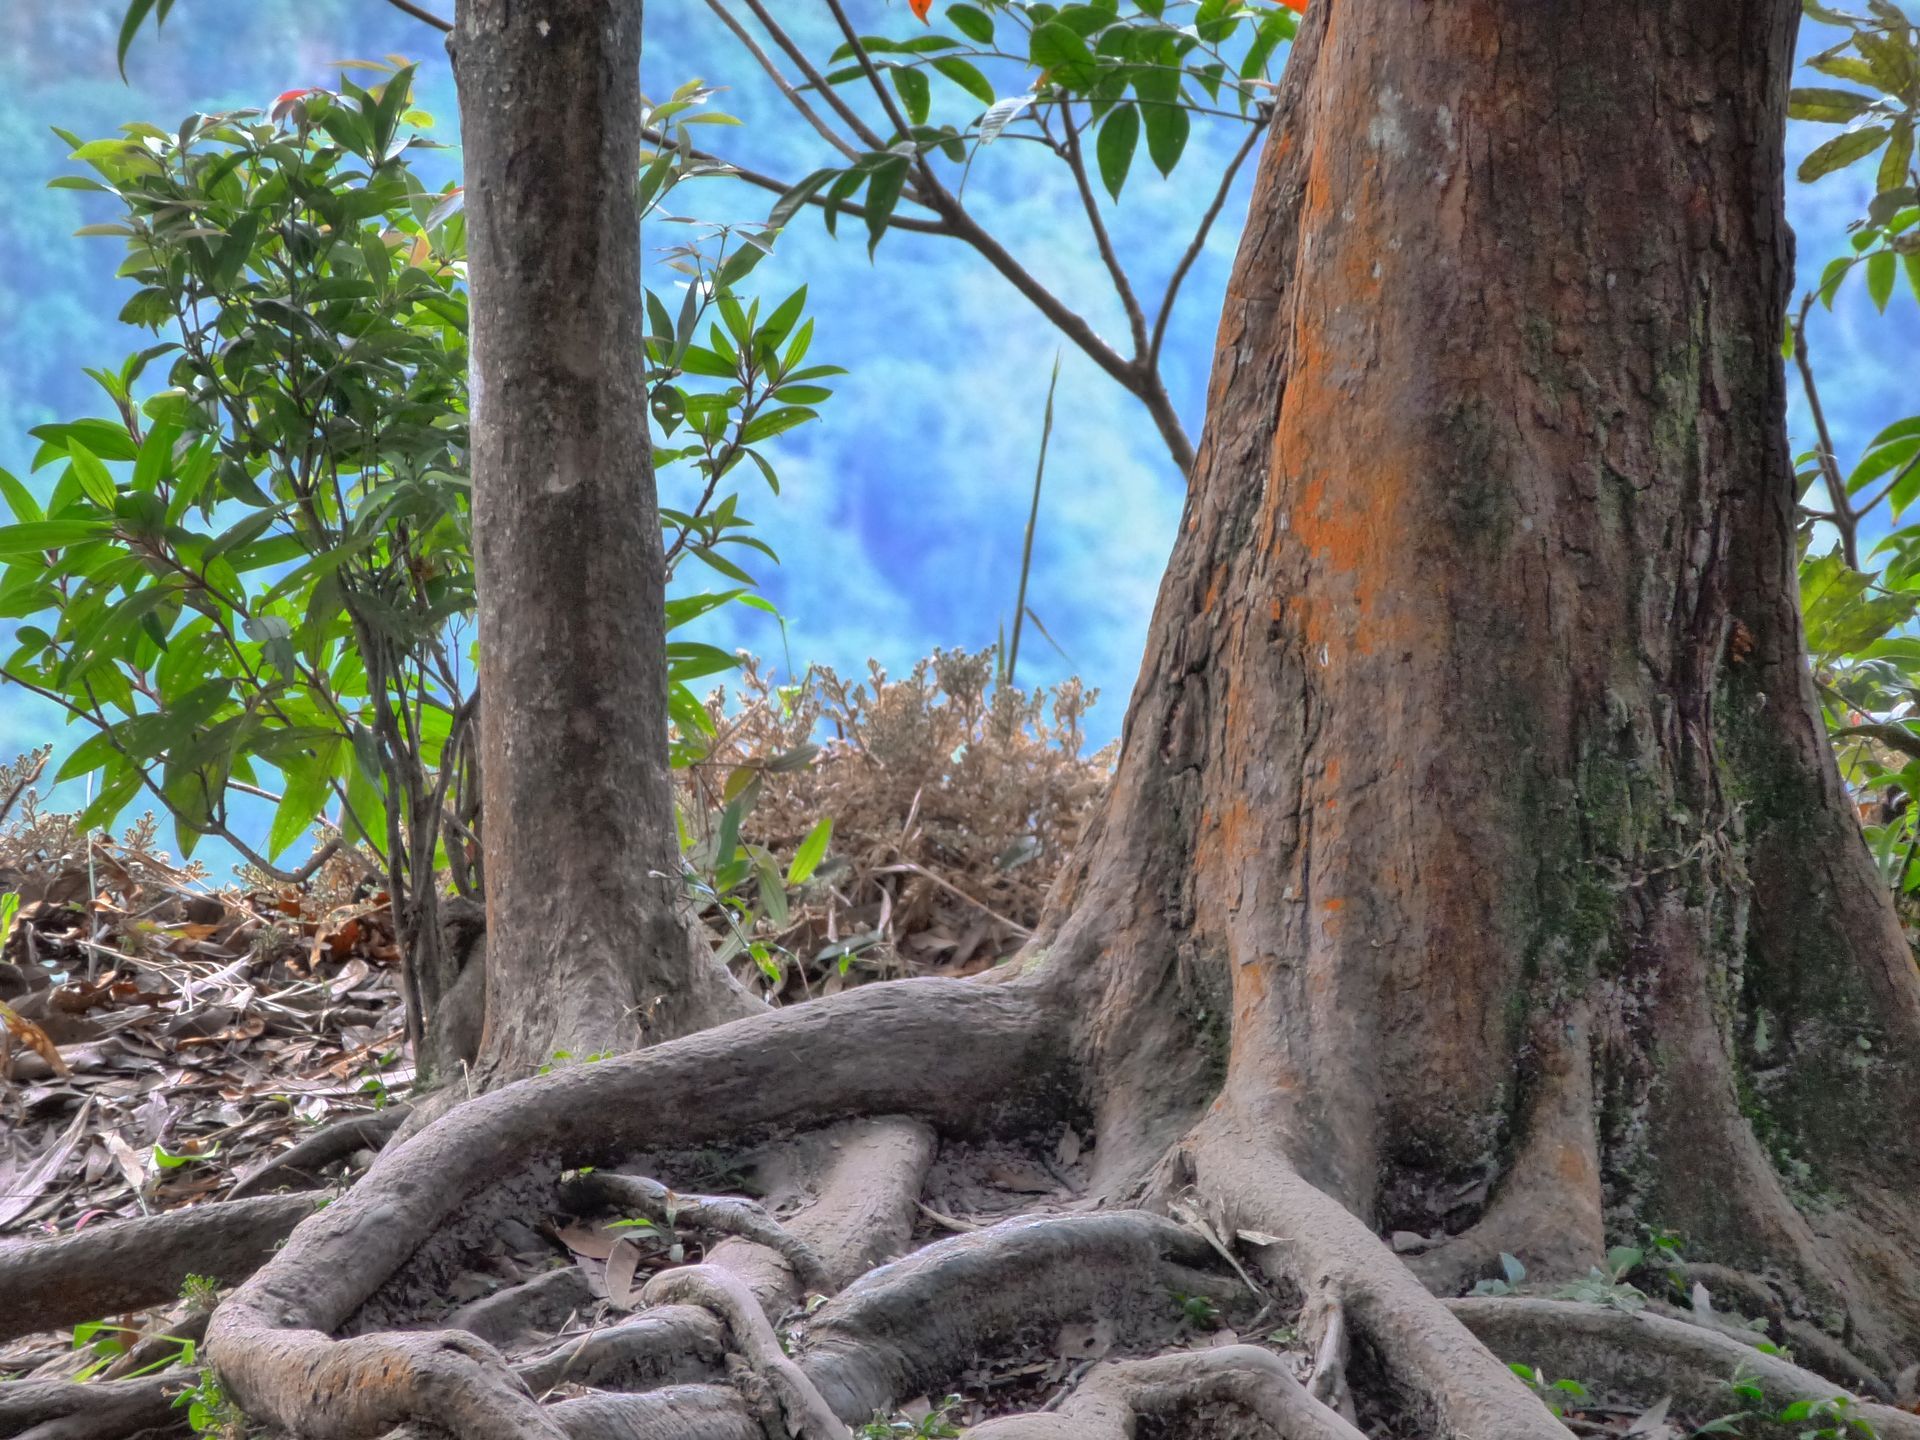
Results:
1475 842
587 947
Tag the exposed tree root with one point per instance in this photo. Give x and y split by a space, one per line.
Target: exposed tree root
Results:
856 1054
120 1266
704 1355
803 1411
1653 1356
540 1305
676 1412
855 1189
912 1324
61 1410
685 1412
300 1168
1325 1322
1311 1240
668 1345
719 1214
1254 1384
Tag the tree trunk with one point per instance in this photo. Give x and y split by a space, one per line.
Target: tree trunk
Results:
1475 843
587 946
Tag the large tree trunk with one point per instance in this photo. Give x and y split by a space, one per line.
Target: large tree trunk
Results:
587 948
1475 843
1476 866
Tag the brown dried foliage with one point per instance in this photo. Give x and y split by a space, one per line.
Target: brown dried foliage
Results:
954 800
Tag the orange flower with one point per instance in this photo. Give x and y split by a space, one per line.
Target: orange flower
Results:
920 9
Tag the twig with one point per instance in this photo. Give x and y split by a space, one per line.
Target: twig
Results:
908 867
1076 162
419 13
1200 239
792 96
778 186
1843 517
861 131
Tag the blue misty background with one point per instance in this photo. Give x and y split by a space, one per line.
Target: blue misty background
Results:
901 511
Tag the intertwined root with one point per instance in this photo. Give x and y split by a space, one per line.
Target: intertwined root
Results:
869 1321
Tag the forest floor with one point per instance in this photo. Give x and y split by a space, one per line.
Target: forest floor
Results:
173 1044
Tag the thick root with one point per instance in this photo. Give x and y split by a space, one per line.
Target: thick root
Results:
685 1412
681 1412
667 1345
61 1410
804 1413
1650 1356
856 1188
270 1341
1309 1239
1254 1384
717 1214
300 1168
1547 1211
122 1266
913 1324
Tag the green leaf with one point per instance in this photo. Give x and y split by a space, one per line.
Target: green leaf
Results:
1062 55
1832 106
914 93
38 535
1883 269
1167 125
972 22
1119 136
95 481
137 11
20 499
1842 151
304 796
1895 164
883 193
811 851
966 76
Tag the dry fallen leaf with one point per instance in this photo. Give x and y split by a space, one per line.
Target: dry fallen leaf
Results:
621 1266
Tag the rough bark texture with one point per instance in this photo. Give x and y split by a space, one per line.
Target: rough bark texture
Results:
586 943
1475 841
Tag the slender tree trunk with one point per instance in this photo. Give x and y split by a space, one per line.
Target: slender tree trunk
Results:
1475 843
587 947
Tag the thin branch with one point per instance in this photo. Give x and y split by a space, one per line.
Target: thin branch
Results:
887 103
781 83
1200 240
777 186
1077 163
407 7
861 130
1892 485
1845 518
